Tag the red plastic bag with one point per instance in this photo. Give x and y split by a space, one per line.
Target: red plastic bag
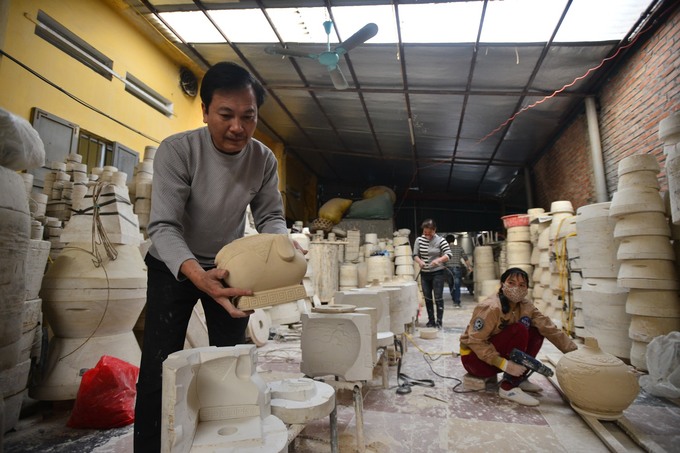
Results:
106 396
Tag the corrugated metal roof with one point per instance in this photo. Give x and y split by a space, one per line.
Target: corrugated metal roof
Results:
430 120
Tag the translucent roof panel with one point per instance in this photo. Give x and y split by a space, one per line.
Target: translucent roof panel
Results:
231 23
192 26
600 20
507 21
440 22
521 20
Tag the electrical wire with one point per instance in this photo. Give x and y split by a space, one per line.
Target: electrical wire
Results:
568 85
96 258
431 357
76 98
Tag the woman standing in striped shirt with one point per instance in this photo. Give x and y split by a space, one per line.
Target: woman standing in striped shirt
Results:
431 252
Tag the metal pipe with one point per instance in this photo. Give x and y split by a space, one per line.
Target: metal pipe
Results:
596 151
335 448
527 187
359 412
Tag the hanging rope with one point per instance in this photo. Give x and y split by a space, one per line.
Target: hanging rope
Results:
99 236
559 251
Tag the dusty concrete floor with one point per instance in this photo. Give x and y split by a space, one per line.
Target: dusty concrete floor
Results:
429 419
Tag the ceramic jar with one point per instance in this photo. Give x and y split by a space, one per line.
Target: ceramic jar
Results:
596 383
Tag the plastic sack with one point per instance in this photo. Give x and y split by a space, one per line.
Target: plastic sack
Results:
379 190
21 148
106 396
378 207
663 364
334 209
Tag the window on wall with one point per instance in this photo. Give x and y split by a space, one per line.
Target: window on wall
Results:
125 159
96 151
59 36
99 152
59 137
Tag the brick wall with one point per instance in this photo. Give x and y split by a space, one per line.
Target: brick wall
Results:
565 173
645 90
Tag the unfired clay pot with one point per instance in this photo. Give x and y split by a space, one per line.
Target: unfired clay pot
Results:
597 383
261 262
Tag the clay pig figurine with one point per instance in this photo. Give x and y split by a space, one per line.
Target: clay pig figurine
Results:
262 262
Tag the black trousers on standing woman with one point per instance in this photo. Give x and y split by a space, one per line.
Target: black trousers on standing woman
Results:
433 288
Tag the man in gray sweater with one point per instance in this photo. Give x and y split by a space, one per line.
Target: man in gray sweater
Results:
204 180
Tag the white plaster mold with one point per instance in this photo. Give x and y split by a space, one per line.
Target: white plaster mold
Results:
337 344
214 400
92 310
117 217
301 400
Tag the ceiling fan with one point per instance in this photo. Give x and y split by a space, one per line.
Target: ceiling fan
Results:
331 57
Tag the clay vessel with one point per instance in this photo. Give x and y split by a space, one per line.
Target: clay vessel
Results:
597 383
261 262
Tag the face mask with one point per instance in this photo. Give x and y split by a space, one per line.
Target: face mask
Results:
515 293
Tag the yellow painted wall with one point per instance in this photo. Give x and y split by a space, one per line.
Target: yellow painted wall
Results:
106 29
105 25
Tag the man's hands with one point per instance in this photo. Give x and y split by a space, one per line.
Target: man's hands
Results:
211 283
514 369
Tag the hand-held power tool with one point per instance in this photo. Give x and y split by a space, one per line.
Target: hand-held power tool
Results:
524 359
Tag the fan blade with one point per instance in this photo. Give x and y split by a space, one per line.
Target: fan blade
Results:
364 34
338 78
289 52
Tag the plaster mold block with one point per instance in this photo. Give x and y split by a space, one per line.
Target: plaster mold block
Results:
301 400
637 163
267 264
645 248
632 200
68 357
214 400
642 223
337 344
116 215
373 313
15 224
409 296
398 307
371 299
604 311
92 310
324 258
258 327
650 302
348 276
36 261
648 274
646 328
642 179
288 313
673 175
597 248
